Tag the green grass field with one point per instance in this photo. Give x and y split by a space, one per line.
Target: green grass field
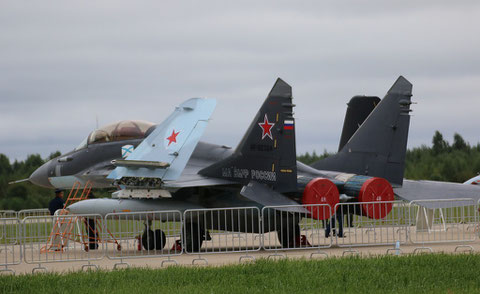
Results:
437 273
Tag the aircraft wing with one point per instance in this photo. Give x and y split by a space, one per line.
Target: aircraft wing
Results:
425 190
165 152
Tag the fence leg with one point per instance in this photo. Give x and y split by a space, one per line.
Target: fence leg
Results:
396 251
350 251
169 260
121 263
419 249
276 254
199 258
39 268
469 248
319 252
7 270
246 257
89 266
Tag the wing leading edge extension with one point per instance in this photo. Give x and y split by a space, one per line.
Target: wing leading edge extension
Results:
165 152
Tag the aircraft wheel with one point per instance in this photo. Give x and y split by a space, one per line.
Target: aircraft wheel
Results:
148 240
288 235
193 239
160 239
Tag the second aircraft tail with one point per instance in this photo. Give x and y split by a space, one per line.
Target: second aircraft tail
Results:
379 145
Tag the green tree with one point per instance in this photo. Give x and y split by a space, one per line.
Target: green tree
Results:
459 143
439 144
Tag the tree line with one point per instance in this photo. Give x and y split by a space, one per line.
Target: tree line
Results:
442 161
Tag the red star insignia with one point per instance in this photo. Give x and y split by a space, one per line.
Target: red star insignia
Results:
266 127
173 137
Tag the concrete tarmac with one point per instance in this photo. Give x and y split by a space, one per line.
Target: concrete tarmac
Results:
220 259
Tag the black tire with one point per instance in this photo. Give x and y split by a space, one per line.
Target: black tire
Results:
193 237
148 240
160 239
288 234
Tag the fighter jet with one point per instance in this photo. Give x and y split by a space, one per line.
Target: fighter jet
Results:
262 170
384 155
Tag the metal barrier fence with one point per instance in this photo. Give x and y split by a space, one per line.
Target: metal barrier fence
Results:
9 231
142 234
371 223
443 221
8 214
61 238
10 253
119 236
290 227
33 212
221 230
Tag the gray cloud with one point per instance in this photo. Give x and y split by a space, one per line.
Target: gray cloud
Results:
62 64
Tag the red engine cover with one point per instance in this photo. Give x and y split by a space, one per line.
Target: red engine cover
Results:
320 191
375 190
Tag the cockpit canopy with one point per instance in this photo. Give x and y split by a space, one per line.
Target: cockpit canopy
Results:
119 131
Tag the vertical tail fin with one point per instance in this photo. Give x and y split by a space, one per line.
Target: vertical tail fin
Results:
358 109
378 147
266 154
166 151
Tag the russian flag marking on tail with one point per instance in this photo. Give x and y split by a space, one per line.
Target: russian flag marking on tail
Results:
288 125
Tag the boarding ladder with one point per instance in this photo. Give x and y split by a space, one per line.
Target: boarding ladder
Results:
62 225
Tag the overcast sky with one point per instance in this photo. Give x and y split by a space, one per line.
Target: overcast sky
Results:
65 63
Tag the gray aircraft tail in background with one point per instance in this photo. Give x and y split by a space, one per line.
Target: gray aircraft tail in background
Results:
358 109
379 146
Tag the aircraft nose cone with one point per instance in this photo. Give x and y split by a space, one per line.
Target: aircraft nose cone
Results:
40 176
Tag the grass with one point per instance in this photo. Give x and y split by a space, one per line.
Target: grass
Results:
437 273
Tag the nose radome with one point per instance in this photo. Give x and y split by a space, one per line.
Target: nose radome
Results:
40 176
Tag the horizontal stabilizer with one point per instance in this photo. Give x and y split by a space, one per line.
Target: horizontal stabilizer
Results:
432 190
140 163
267 197
166 151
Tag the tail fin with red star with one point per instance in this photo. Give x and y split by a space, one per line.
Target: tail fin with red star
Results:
266 154
164 153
